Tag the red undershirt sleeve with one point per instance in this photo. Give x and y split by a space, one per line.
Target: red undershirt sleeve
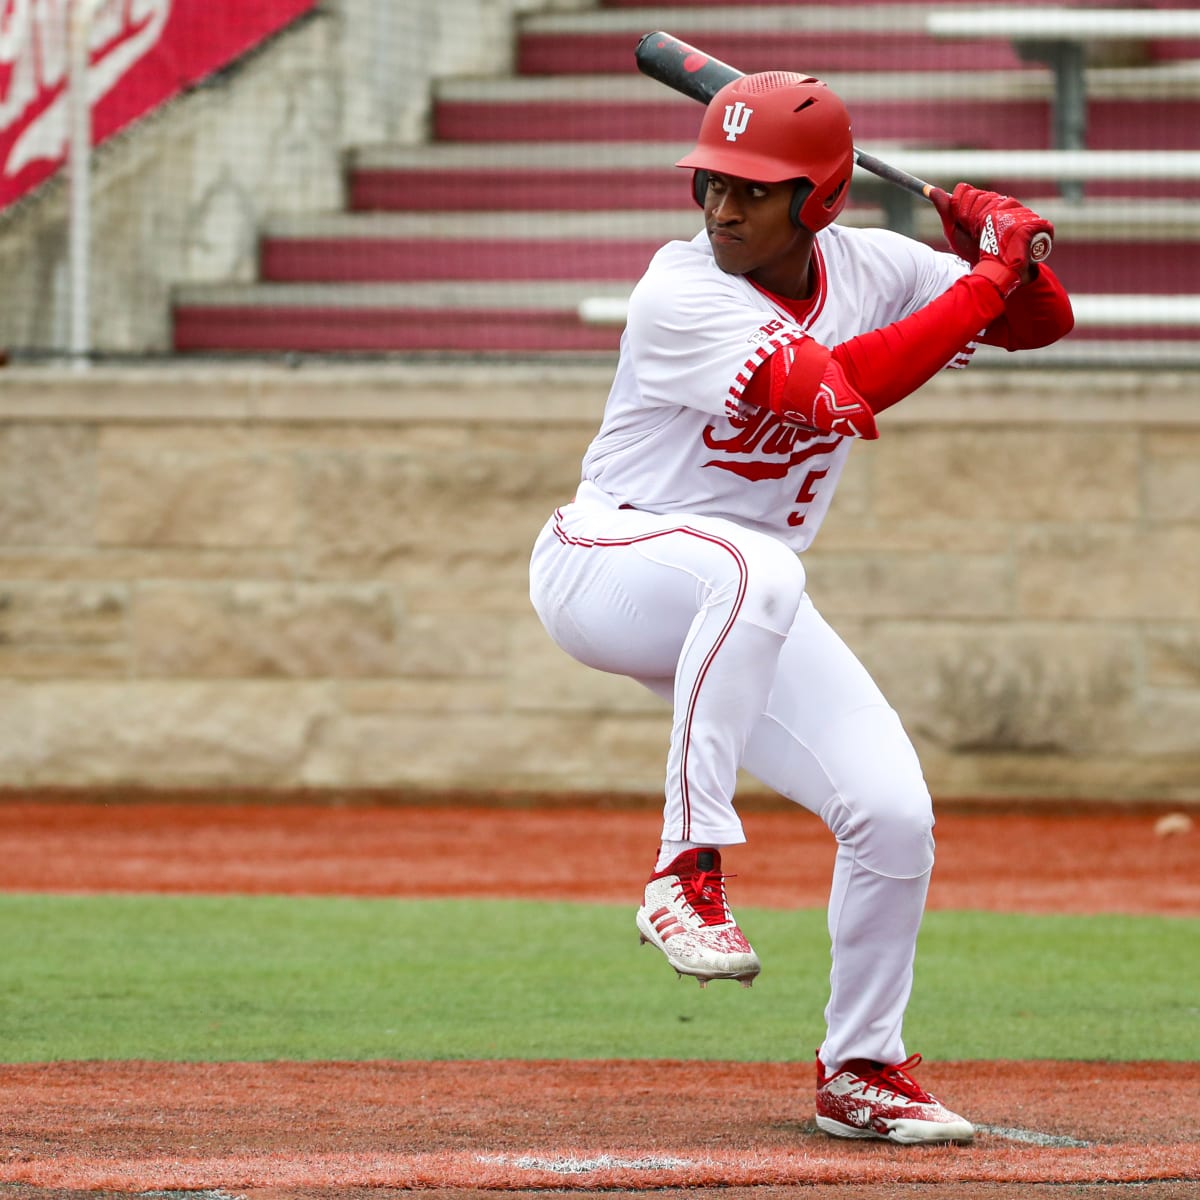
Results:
1034 315
888 364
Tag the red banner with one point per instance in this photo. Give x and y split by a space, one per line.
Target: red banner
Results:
142 52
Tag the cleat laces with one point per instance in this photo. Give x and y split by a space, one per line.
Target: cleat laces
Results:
894 1081
704 892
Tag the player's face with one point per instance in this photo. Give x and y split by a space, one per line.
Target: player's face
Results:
752 234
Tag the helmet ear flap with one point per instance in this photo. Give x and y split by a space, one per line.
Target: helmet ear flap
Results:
699 186
800 194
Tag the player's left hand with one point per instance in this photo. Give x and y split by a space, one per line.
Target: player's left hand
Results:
963 212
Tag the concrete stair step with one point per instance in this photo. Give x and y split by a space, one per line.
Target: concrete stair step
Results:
636 19
625 84
471 246
1169 81
481 318
986 124
868 34
1099 219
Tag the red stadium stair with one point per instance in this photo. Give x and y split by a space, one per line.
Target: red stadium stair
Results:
501 176
556 184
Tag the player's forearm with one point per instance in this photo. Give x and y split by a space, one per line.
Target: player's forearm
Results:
888 364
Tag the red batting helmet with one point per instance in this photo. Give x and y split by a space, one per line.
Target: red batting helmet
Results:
776 126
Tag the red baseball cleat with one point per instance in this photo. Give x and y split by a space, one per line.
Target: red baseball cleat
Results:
686 916
870 1100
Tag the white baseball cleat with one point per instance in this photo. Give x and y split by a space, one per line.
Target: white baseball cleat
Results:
871 1100
686 916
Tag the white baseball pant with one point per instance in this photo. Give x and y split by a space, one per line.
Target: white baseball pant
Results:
714 618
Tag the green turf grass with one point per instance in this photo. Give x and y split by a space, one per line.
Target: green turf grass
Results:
240 978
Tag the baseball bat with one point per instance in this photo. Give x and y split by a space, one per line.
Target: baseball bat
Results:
699 76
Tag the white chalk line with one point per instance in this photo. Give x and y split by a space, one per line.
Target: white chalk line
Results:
570 1165
1032 1137
190 1194
582 1166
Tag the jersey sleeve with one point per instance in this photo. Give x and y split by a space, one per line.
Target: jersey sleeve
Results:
696 335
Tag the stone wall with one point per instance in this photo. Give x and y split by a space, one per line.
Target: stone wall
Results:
256 577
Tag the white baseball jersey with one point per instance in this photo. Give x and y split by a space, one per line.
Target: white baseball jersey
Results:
677 435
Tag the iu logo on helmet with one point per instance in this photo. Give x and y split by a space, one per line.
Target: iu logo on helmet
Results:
737 117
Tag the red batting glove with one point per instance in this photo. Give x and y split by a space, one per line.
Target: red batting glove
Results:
1007 233
1005 253
963 212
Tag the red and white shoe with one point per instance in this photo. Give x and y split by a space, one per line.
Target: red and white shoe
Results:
686 916
870 1100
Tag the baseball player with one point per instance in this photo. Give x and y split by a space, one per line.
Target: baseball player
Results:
753 358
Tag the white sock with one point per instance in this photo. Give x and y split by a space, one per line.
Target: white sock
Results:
668 852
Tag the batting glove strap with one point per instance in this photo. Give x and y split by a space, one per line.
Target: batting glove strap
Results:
999 274
970 206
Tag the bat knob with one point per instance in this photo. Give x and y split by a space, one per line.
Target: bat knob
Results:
1040 247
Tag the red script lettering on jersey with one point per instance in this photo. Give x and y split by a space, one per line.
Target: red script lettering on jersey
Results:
770 440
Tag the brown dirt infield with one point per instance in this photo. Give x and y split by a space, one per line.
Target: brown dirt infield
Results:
313 1131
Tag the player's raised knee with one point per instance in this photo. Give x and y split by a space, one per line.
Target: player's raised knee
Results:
774 587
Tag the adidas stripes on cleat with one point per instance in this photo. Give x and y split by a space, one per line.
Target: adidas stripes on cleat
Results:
686 916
